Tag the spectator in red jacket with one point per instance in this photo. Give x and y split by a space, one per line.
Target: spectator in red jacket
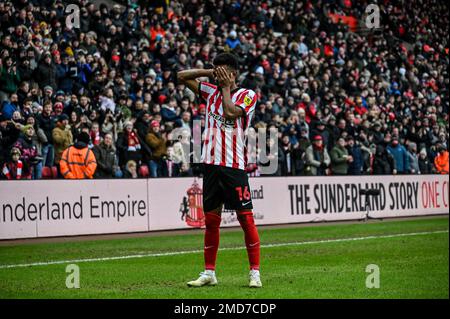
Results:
13 168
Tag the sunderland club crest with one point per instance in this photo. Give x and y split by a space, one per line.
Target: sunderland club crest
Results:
191 207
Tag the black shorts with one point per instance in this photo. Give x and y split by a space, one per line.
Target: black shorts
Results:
225 185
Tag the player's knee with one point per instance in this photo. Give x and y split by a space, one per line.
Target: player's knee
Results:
212 220
245 218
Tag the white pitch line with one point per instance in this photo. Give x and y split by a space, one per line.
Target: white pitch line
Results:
176 253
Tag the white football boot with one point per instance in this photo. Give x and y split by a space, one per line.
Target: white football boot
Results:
207 278
255 279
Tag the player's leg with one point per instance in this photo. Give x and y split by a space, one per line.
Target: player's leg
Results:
212 237
239 199
252 244
212 206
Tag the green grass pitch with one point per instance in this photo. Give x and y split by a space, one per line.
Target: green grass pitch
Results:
413 266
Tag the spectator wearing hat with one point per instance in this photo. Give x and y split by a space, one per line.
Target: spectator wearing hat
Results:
157 144
28 151
48 93
441 161
232 40
61 136
340 158
400 155
78 161
317 158
13 168
320 129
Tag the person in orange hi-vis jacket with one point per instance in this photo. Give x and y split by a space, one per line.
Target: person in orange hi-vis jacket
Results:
441 160
78 161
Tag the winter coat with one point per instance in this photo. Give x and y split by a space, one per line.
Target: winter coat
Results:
62 139
441 163
9 80
425 166
78 162
383 162
313 161
157 144
401 157
106 160
47 124
28 155
8 109
356 167
339 164
413 163
45 74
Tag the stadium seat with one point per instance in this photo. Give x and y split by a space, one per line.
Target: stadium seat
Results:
143 171
47 172
55 172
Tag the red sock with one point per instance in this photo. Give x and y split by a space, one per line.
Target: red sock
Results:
212 221
251 238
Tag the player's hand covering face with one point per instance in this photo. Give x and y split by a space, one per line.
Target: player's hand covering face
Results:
224 76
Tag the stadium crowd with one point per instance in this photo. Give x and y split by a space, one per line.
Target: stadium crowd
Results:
342 98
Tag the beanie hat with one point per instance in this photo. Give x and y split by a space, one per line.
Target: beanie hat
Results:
83 137
26 127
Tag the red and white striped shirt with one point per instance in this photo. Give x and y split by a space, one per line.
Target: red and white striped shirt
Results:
224 139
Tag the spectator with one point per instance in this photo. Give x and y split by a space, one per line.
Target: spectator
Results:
383 163
14 167
11 106
105 155
9 133
339 158
129 145
46 121
78 161
157 144
425 165
45 73
317 158
356 166
95 134
400 155
130 170
28 151
62 137
441 161
169 168
9 78
38 139
413 158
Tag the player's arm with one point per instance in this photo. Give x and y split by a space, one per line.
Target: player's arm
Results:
230 110
189 78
